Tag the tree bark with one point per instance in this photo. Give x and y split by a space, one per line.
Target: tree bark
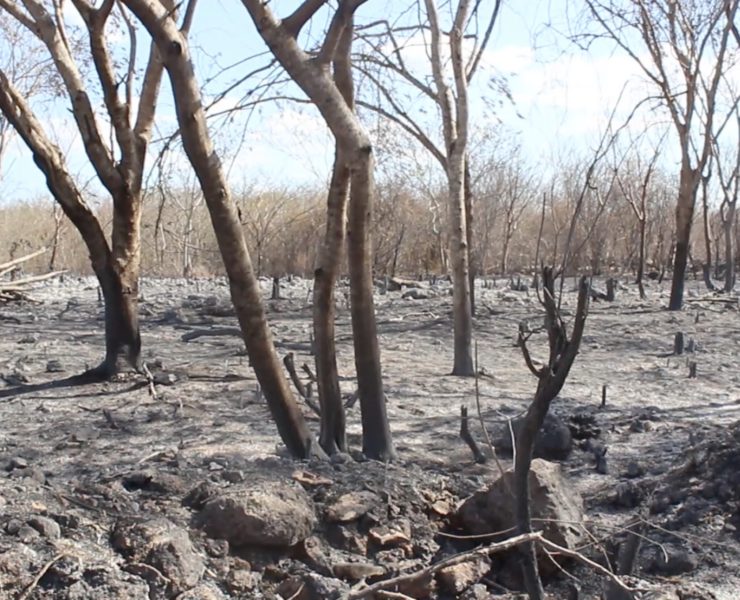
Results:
463 320
684 218
551 378
641 258
376 435
728 226
333 435
244 287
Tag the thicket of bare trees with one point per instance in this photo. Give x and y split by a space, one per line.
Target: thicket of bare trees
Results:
617 211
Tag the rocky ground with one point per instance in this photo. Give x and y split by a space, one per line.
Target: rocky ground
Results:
108 491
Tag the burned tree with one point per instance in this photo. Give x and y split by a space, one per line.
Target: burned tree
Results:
452 66
244 287
562 352
683 52
119 165
333 96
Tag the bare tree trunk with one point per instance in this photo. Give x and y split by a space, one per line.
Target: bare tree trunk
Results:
244 287
376 435
728 226
684 219
472 258
463 319
333 435
641 258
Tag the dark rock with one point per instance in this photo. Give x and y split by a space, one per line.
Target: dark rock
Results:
634 469
17 462
312 586
627 495
200 494
268 513
678 562
27 534
554 441
54 366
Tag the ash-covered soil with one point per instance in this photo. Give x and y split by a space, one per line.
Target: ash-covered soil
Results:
102 486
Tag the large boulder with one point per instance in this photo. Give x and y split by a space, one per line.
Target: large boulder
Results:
556 509
275 514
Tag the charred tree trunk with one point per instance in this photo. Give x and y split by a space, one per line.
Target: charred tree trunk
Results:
376 435
459 253
244 287
684 218
119 282
472 258
728 226
641 260
551 378
333 435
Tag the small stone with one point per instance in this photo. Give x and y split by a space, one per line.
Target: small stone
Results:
17 462
634 469
13 526
240 581
457 578
351 506
54 366
27 534
677 563
165 379
47 527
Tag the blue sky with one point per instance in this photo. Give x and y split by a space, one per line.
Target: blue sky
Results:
562 98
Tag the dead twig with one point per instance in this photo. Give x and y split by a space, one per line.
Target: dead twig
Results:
28 590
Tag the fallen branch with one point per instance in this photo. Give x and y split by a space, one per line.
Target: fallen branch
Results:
6 267
20 284
448 562
303 391
466 437
28 590
218 331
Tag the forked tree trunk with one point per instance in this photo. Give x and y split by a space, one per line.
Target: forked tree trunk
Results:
312 74
684 218
376 435
244 287
551 378
333 430
117 278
